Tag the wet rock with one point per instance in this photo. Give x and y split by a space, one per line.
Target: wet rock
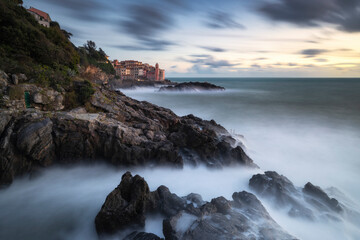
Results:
242 218
320 198
142 236
311 202
192 86
124 206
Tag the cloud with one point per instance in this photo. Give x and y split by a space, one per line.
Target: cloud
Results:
89 10
203 60
309 53
255 66
146 23
321 60
219 19
214 49
343 13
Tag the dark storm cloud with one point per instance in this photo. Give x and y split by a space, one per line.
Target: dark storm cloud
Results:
309 53
344 13
214 49
146 22
219 19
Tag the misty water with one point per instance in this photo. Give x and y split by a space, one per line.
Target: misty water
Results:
305 129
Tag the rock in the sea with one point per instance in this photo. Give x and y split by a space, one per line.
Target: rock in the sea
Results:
187 218
320 199
192 86
311 202
124 206
142 236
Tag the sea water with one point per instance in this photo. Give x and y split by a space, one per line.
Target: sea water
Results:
305 129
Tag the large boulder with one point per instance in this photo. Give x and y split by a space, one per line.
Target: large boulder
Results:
124 206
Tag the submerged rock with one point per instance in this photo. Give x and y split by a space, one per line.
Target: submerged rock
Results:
192 86
242 218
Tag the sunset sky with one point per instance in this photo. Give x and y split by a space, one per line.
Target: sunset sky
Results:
233 38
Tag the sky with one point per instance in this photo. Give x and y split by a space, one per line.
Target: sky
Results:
229 38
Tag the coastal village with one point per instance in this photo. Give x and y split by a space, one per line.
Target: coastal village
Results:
135 70
128 70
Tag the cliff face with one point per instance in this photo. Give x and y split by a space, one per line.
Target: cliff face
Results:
123 132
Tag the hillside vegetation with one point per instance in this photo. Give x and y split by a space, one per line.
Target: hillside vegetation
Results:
46 55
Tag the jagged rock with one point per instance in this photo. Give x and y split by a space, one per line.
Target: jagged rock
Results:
126 132
124 206
35 140
311 202
142 236
192 86
242 218
321 198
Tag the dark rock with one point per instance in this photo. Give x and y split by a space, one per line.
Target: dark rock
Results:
35 140
142 236
124 206
322 197
192 86
125 132
311 202
242 218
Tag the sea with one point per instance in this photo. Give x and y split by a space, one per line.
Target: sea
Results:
307 129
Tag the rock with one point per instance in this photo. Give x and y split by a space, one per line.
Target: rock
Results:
37 98
142 236
192 86
125 206
311 202
321 198
35 140
22 77
4 80
15 79
125 132
243 218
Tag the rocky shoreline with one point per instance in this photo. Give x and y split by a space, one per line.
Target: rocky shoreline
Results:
122 132
125 132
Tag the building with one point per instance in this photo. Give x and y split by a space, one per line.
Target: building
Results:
41 17
135 70
162 75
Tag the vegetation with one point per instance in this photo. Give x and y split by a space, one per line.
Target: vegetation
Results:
90 56
46 55
25 44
